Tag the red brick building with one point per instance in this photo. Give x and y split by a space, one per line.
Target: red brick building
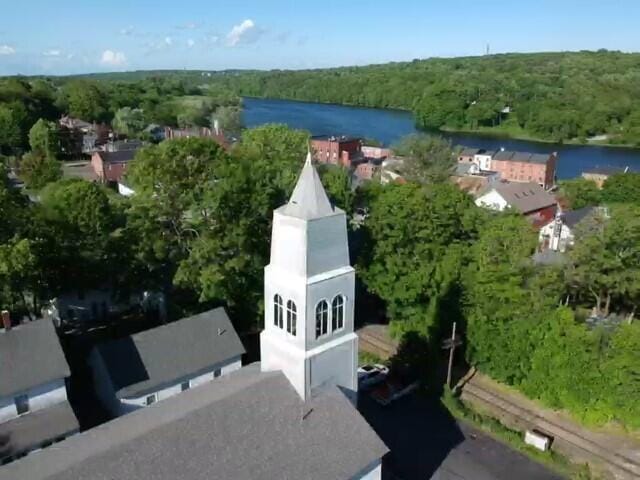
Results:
196 132
111 166
336 150
526 167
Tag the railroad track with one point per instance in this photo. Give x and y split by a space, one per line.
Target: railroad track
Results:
622 466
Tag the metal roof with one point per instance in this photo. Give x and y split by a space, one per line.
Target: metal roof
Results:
248 424
31 355
147 361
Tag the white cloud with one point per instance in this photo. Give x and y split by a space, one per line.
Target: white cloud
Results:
52 53
245 32
191 42
7 50
109 57
168 41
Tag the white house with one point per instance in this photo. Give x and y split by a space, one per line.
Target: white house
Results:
558 234
483 159
34 411
289 417
527 198
135 371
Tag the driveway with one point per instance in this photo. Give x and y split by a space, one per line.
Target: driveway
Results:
426 442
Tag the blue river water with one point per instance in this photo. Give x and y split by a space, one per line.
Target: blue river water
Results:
388 126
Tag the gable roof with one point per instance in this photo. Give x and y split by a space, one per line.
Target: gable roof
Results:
524 197
31 355
573 217
309 199
248 424
121 156
147 361
468 152
28 431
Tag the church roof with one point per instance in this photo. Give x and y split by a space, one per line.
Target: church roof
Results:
309 199
248 424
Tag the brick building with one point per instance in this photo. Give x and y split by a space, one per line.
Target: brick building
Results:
111 166
526 167
336 150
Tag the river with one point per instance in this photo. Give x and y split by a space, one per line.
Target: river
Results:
388 126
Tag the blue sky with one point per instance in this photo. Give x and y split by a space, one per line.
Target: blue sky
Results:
74 36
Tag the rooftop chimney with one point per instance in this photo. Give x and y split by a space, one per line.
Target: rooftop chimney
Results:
6 320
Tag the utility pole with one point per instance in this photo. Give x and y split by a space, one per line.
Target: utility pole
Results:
451 344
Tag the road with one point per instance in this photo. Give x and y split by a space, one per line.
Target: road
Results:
426 442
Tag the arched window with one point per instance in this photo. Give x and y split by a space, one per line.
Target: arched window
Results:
277 311
337 312
322 318
292 316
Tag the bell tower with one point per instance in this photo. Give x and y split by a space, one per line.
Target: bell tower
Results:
309 289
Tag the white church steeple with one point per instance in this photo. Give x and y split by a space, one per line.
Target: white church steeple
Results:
309 293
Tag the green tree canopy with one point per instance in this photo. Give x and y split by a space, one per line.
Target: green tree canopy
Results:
622 188
129 121
44 139
580 193
427 159
37 169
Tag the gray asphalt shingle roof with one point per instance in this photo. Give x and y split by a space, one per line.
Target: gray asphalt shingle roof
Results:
147 361
32 429
525 157
573 217
248 424
31 355
525 197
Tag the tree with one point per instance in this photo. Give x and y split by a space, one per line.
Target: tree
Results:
417 241
605 260
17 272
11 133
427 159
44 139
229 119
129 121
38 169
86 100
580 193
337 183
622 188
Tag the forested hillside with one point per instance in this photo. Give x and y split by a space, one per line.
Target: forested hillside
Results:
551 96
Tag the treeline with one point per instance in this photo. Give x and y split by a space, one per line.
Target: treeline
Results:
551 96
565 334
165 100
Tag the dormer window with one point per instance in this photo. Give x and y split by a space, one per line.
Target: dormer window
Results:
322 318
292 317
337 313
278 313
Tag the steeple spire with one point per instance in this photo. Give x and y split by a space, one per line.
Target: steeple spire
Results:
309 199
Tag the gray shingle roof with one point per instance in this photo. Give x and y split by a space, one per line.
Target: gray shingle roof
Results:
309 199
147 361
31 355
246 425
468 152
31 430
573 217
121 156
525 197
525 157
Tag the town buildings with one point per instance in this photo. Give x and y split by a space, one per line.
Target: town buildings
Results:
336 150
559 234
292 416
600 175
530 199
111 167
514 166
34 411
135 371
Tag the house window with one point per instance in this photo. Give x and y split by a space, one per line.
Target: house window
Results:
337 312
217 372
22 404
277 311
185 386
151 399
292 317
322 318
